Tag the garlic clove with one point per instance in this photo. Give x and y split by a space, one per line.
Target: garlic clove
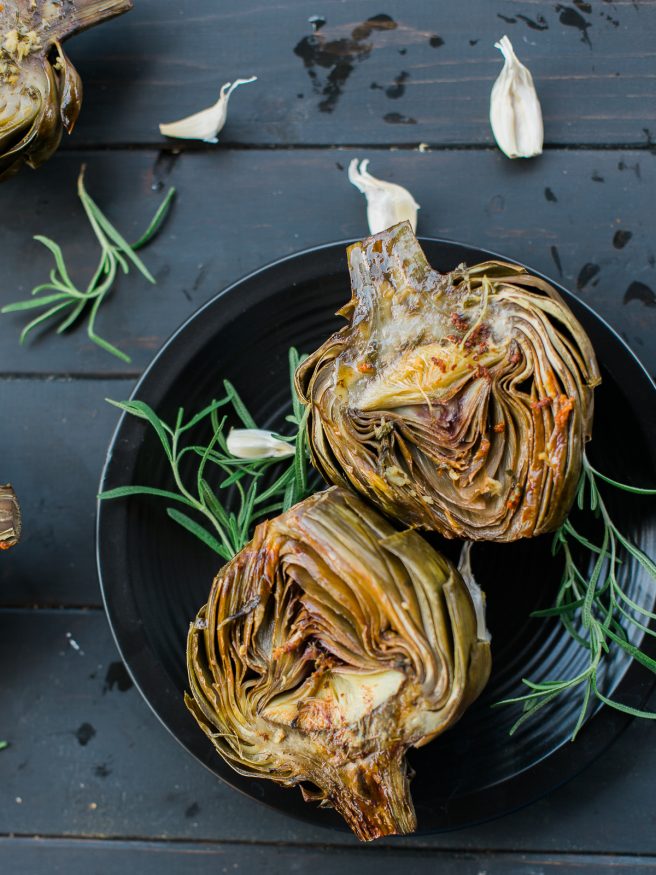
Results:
387 203
256 443
515 113
206 124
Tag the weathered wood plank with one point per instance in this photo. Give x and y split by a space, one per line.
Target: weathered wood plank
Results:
25 857
587 215
87 758
54 438
419 72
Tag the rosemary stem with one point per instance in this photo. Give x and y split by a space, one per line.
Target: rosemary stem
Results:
190 497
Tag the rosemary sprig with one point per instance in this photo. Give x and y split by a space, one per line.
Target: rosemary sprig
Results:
219 527
63 298
593 607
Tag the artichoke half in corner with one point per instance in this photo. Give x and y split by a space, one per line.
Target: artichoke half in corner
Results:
328 646
456 402
10 518
40 90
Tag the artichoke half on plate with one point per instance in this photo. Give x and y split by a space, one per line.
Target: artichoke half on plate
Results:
40 90
456 402
328 646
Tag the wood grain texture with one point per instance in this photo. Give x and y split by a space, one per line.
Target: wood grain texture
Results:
55 448
87 761
422 76
87 758
66 857
565 214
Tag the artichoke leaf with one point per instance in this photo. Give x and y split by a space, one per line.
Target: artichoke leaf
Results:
362 644
10 518
457 402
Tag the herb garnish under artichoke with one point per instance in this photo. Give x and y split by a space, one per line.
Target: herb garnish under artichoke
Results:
40 89
330 645
457 402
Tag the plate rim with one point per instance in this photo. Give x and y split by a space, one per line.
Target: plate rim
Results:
603 728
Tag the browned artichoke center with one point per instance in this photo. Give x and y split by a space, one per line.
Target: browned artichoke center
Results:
458 402
330 645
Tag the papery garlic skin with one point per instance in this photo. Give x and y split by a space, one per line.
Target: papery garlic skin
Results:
256 443
387 203
515 113
208 123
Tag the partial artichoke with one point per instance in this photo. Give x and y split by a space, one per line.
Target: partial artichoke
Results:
456 402
10 518
40 90
328 646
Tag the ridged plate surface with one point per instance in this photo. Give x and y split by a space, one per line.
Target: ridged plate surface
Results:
155 576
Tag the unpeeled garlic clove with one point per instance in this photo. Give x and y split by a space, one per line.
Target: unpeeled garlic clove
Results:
206 124
515 113
256 443
387 203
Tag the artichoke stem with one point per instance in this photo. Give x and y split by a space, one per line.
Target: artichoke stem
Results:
373 796
90 12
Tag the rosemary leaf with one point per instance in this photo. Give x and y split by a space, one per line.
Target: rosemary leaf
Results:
33 303
238 404
39 319
125 491
203 414
202 534
156 222
638 490
144 411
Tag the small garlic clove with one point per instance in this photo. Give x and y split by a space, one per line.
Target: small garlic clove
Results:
206 124
515 113
476 593
387 203
256 443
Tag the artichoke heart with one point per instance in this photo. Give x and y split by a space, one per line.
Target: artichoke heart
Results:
328 646
40 89
457 402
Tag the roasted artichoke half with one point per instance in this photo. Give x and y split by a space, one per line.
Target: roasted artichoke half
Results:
10 518
328 646
456 402
40 90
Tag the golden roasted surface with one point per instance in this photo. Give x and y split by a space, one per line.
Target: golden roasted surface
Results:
10 518
456 402
328 646
40 89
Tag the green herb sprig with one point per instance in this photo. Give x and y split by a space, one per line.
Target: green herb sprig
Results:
593 607
61 297
222 529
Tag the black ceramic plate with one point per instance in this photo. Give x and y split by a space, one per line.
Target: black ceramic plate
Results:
155 576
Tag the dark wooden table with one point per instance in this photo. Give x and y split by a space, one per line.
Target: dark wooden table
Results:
90 782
